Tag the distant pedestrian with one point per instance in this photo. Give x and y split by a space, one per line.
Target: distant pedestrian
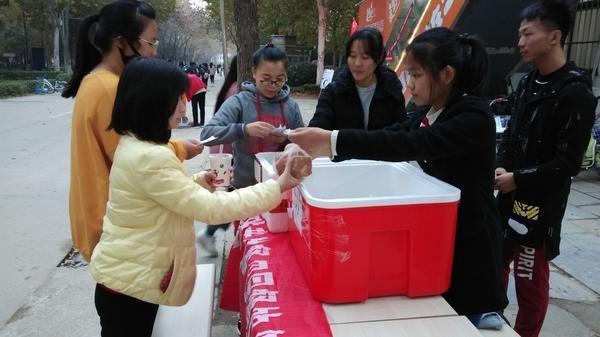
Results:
539 152
192 69
204 73
197 95
212 70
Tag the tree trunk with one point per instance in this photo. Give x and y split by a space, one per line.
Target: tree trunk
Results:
334 40
334 55
66 40
26 40
246 27
321 40
224 37
171 47
56 55
185 50
54 17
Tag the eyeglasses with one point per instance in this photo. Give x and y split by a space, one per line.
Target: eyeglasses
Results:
153 44
273 83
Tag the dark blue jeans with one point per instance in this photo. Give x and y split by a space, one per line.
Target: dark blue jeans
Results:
475 319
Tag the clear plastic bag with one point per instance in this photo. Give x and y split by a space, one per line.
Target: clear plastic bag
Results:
301 161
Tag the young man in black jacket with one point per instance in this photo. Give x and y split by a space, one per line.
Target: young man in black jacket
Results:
540 151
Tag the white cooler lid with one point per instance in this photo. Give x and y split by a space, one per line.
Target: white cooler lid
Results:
363 183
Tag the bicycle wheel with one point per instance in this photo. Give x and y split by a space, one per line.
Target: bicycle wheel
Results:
59 86
40 88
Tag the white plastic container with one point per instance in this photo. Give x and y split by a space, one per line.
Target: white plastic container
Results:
277 222
264 169
264 166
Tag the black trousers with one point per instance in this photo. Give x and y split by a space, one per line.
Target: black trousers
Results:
124 316
210 230
212 79
198 100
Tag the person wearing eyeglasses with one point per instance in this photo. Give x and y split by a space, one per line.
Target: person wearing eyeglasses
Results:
254 119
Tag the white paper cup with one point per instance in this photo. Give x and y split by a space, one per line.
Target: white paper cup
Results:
220 164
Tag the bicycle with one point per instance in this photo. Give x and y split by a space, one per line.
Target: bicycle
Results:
43 86
59 85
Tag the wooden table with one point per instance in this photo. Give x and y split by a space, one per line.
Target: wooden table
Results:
400 316
388 308
446 326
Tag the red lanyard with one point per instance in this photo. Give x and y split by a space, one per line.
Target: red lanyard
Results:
261 145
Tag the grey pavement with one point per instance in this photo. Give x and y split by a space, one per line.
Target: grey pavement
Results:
39 299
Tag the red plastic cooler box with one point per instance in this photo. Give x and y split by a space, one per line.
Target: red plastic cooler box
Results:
365 229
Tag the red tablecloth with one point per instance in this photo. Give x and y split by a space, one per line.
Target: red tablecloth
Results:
264 279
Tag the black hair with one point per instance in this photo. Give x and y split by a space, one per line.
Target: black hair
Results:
439 47
269 53
148 92
553 14
229 81
372 43
126 18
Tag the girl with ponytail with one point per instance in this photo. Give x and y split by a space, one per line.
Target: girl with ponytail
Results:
452 137
122 30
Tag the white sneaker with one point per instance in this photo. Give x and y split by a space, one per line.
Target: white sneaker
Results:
208 244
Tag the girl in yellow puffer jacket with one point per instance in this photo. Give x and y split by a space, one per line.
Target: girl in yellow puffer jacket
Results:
147 254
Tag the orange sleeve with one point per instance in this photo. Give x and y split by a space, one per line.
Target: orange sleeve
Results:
178 146
108 139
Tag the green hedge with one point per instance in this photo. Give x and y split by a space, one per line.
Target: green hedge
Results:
308 89
16 88
301 73
15 75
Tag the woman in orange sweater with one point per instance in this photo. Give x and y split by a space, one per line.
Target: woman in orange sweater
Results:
123 29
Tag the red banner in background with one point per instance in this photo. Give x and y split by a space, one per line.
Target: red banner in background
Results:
381 14
372 14
420 15
393 9
438 13
354 26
